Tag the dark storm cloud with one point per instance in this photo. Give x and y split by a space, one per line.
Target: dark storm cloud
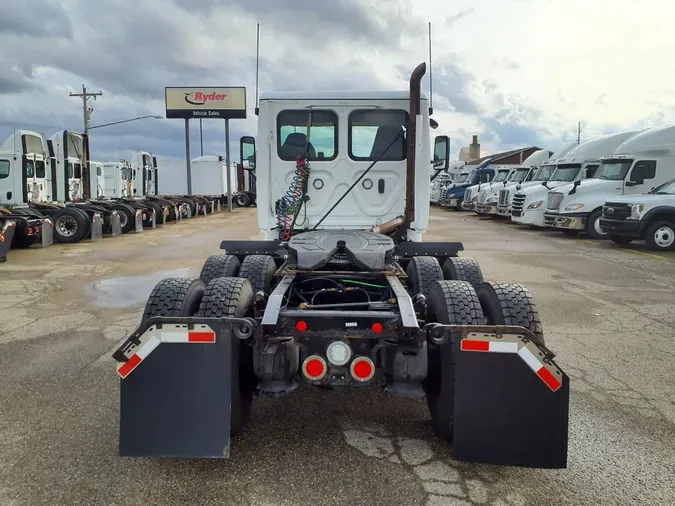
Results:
36 18
12 81
505 131
377 21
452 87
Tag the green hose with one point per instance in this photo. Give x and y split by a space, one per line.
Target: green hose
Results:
362 283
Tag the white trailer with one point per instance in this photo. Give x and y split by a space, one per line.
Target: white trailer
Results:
209 176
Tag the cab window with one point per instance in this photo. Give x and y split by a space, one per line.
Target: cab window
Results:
292 135
40 169
590 170
78 171
30 168
650 168
98 171
484 178
69 170
4 169
371 132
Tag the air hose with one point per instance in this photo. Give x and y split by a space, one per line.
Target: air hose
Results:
292 201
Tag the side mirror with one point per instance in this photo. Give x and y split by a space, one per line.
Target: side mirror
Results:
247 152
441 152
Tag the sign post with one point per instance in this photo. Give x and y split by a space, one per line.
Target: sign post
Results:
206 102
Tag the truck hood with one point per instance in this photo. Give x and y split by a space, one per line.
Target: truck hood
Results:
642 198
590 186
541 191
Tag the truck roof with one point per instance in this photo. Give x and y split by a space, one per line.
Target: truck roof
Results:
657 140
597 147
339 95
35 142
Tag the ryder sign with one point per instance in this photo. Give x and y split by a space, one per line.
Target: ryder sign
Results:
205 102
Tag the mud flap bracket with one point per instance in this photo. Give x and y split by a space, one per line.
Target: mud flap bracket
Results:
175 395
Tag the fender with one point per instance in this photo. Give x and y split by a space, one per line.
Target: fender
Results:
662 211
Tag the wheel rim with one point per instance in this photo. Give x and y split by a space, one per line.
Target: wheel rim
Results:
123 219
664 237
241 200
66 225
596 227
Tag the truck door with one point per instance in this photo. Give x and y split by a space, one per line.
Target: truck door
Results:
641 178
8 182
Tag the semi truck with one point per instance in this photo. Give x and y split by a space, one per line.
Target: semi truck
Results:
543 173
529 204
456 195
343 293
641 163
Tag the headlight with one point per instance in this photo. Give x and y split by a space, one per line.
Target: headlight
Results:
636 211
451 196
574 207
535 205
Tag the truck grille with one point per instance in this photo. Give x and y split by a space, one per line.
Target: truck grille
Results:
503 197
615 211
518 204
467 196
554 201
481 196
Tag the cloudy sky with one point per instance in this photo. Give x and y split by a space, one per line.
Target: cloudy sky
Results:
515 72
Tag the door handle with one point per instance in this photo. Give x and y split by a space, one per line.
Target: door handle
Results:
380 185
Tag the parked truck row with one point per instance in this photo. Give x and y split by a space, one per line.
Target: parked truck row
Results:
50 191
619 187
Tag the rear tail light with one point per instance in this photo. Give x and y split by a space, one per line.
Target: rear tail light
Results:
314 367
362 369
301 326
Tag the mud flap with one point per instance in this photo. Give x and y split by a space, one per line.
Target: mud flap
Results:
139 220
175 400
213 207
6 236
219 208
165 215
96 227
154 218
115 224
189 210
511 402
46 232
179 213
205 209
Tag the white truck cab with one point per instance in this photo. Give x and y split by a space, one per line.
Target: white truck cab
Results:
649 216
486 203
348 132
67 152
115 180
529 204
25 174
145 175
639 164
524 176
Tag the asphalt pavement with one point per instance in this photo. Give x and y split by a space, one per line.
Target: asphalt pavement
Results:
607 313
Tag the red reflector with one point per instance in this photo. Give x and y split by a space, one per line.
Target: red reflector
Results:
301 326
201 337
314 368
468 345
129 366
377 328
362 369
549 379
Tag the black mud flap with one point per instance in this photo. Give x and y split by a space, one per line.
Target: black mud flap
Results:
176 388
511 402
7 229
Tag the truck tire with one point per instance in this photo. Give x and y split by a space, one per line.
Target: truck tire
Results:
21 238
159 212
174 297
243 200
463 269
259 270
422 273
661 236
127 217
219 266
593 226
450 302
458 207
510 304
70 225
233 297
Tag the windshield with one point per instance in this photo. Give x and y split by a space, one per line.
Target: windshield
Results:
566 172
614 170
501 176
520 175
462 178
545 173
665 189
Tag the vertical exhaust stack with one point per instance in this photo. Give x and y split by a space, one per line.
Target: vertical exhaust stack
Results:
415 107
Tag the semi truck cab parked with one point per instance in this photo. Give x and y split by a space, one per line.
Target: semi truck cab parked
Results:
649 216
67 151
639 164
455 195
145 180
486 202
525 173
529 204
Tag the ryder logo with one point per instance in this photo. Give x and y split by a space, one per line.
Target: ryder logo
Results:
201 98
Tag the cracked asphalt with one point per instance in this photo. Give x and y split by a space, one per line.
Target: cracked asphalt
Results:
607 314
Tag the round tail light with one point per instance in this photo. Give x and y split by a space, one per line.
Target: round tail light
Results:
314 367
362 369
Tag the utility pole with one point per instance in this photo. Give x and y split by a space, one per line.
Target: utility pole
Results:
87 111
579 132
